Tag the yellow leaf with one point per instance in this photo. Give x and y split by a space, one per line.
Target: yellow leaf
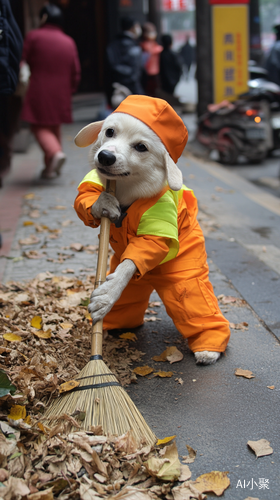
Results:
27 419
55 279
166 468
43 334
29 196
65 326
28 223
165 440
128 336
36 322
12 337
163 374
41 427
68 386
88 316
143 370
215 481
17 412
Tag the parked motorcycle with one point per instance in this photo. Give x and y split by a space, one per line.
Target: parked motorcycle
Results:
234 129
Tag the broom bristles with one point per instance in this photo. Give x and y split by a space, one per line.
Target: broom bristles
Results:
108 406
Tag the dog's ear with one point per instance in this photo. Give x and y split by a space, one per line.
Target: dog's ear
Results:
174 175
88 134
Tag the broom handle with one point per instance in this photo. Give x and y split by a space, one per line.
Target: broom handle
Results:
97 330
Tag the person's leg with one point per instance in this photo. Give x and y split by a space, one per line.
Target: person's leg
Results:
48 137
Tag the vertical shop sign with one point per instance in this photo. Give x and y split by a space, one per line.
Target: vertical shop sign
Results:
230 50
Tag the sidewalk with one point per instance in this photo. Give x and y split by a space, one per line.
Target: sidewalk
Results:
213 411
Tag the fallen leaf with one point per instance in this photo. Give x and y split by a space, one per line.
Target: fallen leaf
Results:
239 326
35 214
78 247
271 387
45 494
215 481
185 473
143 370
28 223
33 254
36 322
30 240
29 196
187 491
191 456
163 374
43 334
12 337
17 412
260 447
165 440
244 373
68 386
59 207
65 326
66 223
171 354
128 336
166 468
14 488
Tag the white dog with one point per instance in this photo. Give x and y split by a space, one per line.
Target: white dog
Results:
127 150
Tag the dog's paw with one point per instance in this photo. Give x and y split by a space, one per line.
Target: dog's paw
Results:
206 357
106 206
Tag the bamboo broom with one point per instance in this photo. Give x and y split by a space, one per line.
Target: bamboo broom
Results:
99 394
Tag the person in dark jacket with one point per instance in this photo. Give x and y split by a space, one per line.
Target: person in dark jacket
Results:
10 56
124 58
170 67
187 55
272 63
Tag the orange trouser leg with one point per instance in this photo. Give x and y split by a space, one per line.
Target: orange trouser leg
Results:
190 301
129 310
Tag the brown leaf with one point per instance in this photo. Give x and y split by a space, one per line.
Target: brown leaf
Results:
43 334
78 247
215 481
163 374
244 373
14 488
33 254
143 370
271 387
239 326
30 240
260 447
191 456
187 491
126 443
185 473
42 495
171 354
166 468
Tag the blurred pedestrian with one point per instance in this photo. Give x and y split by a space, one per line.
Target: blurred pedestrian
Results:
124 59
10 56
170 67
151 51
55 74
187 56
272 63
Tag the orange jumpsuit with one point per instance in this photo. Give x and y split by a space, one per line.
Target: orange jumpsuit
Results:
182 282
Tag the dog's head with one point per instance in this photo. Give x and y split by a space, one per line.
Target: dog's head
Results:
129 151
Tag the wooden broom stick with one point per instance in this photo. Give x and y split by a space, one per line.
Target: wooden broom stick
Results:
97 330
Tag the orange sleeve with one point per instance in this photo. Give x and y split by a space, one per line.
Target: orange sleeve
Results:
146 252
88 194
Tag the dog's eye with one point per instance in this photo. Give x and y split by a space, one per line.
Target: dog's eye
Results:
109 132
140 147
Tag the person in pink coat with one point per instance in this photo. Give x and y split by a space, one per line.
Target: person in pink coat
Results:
55 74
151 53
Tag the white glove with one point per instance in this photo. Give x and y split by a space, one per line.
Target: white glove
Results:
107 294
106 206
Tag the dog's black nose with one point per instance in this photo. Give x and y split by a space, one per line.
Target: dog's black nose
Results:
106 158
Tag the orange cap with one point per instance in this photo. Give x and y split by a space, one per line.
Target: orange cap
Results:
161 118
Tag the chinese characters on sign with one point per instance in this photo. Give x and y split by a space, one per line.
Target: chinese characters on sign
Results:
176 5
263 484
230 51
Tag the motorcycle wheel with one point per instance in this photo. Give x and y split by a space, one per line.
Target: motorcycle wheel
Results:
230 156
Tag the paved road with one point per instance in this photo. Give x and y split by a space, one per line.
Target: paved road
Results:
208 408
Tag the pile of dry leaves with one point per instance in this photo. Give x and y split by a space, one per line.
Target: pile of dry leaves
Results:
45 331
